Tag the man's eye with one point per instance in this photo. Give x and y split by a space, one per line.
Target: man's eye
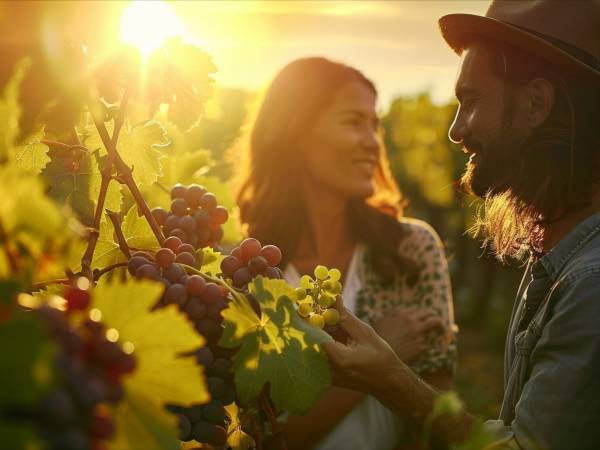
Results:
467 103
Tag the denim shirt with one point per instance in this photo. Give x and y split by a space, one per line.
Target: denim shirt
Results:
552 356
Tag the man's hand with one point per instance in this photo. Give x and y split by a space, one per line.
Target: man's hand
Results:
366 361
407 330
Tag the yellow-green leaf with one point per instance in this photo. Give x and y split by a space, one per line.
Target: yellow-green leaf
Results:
162 375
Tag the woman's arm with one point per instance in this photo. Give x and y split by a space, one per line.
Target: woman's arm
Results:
303 432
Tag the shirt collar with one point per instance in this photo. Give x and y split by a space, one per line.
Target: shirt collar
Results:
554 261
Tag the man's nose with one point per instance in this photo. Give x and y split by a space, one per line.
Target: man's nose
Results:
458 129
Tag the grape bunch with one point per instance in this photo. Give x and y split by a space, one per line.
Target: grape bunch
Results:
207 423
249 260
316 297
195 216
91 364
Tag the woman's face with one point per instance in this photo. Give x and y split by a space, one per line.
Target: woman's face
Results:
341 151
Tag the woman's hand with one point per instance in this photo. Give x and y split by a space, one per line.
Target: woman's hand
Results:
407 330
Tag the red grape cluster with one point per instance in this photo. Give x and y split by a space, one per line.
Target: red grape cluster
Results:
249 260
91 365
195 216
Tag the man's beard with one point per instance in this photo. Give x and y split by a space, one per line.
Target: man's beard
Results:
491 169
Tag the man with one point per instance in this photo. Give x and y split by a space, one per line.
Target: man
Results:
529 116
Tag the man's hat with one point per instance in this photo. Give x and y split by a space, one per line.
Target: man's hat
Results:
565 33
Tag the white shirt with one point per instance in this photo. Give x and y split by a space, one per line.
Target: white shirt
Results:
369 425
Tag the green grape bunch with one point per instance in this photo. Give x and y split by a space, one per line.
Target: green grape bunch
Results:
316 297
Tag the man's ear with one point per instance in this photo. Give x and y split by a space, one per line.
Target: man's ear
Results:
541 101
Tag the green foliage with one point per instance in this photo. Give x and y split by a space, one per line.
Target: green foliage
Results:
276 348
162 375
237 439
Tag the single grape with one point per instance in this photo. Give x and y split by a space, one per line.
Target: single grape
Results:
229 265
203 236
165 257
317 320
160 215
204 356
221 368
142 254
300 293
208 202
179 207
183 279
185 428
177 294
194 414
257 265
178 191
186 248
203 431
220 215
135 263
304 309
194 195
216 387
188 224
237 253
212 293
101 426
195 308
331 316
173 273
272 254
272 272
178 232
203 218
192 240
306 282
219 437
214 310
209 329
148 271
326 300
172 243
186 258
123 365
242 277
77 299
195 285
336 288
335 274
171 223
321 272
216 234
250 248
214 412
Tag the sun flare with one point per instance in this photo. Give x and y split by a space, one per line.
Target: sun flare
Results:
147 24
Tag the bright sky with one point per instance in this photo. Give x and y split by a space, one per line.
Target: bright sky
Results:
395 43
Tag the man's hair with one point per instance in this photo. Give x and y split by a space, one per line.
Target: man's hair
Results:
556 170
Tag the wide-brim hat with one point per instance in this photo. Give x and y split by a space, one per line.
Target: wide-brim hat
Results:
566 33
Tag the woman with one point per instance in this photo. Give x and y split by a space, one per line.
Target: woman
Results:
316 183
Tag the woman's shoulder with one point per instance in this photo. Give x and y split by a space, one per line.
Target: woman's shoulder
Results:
419 235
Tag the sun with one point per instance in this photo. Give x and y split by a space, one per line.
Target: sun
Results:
147 24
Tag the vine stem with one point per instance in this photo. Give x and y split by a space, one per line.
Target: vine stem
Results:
86 260
115 218
97 274
125 176
265 403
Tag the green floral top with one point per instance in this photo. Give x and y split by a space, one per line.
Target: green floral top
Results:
432 290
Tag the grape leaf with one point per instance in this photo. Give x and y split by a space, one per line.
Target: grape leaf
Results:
162 376
237 439
10 110
136 231
69 178
211 262
277 348
32 155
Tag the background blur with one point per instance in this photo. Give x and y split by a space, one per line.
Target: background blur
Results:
397 45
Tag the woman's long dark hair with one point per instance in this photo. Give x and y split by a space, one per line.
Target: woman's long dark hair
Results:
269 193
